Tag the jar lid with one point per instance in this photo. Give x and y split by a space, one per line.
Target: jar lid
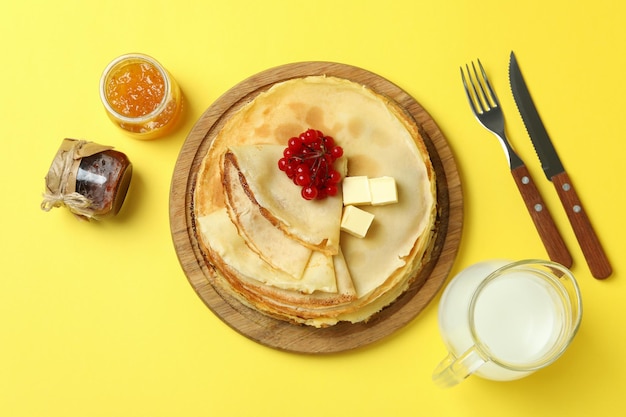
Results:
61 179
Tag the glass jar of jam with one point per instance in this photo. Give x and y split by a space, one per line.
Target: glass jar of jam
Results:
141 96
91 180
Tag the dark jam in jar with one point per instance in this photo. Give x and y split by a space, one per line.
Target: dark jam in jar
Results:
104 179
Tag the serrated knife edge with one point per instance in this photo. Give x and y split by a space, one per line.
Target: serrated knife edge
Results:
550 161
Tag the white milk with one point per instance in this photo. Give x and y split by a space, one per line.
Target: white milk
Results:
517 316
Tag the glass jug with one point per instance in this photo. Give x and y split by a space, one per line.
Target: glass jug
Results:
503 320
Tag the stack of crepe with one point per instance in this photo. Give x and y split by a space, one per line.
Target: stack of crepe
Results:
286 256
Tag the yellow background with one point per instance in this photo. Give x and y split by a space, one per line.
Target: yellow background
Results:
98 319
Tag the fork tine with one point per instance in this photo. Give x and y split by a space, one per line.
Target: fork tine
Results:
483 102
492 95
470 99
473 95
483 94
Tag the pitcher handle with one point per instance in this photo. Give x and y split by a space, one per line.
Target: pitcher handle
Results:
453 370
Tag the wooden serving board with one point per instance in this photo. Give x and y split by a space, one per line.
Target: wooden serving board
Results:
283 335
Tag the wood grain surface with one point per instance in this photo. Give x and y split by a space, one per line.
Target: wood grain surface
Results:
276 333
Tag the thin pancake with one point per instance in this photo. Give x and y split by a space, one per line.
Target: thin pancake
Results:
255 227
235 259
378 139
314 224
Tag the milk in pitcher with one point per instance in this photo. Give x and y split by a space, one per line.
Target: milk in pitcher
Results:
518 318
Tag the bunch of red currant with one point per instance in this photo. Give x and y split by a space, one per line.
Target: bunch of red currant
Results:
308 160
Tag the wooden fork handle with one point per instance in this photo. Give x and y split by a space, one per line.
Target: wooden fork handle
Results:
544 223
585 234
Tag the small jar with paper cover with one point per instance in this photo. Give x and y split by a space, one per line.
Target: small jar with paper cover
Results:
89 179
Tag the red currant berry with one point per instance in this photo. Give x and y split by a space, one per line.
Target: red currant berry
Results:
311 134
303 168
321 194
282 164
334 177
309 192
337 152
331 190
290 171
307 137
294 144
316 144
302 179
329 142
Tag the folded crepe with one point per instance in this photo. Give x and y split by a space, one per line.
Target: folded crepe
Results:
257 226
321 284
314 224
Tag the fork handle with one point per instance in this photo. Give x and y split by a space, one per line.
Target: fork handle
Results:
587 239
544 223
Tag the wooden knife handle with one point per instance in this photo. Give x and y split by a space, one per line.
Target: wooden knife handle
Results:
587 239
544 223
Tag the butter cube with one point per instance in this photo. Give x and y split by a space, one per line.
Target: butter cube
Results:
356 190
383 191
356 221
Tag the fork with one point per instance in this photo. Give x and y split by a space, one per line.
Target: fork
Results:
486 107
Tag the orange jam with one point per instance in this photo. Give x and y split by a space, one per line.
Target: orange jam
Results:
140 96
136 89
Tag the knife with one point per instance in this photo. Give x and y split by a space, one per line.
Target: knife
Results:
553 168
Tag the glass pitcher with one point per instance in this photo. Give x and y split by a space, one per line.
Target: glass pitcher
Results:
503 320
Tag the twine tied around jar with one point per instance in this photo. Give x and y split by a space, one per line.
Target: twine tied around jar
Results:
61 179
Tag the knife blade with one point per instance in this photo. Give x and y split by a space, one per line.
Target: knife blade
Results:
553 168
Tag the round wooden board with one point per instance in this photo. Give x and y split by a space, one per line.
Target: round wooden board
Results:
283 335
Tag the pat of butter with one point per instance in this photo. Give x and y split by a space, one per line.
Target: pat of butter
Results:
356 221
383 191
356 190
